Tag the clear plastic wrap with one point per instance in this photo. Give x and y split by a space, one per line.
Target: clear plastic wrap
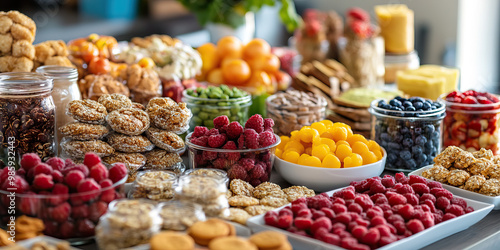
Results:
129 121
83 131
210 172
169 115
87 111
169 141
160 159
179 216
158 185
77 149
130 143
133 161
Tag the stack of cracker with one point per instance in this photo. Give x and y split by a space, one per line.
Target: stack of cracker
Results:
17 33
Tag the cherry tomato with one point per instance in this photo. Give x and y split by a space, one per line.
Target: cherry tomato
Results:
88 51
99 66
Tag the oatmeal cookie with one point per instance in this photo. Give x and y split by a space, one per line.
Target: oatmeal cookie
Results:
240 187
273 201
87 111
474 183
437 173
84 131
458 177
133 161
448 156
493 171
130 143
483 153
268 189
169 141
491 187
167 114
258 209
137 105
464 160
480 165
295 192
78 149
114 102
242 201
238 215
161 159
128 121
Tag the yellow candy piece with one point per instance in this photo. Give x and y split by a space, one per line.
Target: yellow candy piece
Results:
308 150
320 151
327 122
284 141
353 160
320 127
327 134
307 134
378 153
369 157
331 161
343 125
294 145
278 153
357 137
342 142
339 133
313 161
302 159
359 148
330 143
343 151
373 145
291 156
294 135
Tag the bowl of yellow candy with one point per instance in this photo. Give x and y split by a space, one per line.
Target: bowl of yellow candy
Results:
327 155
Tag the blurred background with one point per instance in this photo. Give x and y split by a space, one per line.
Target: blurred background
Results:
454 33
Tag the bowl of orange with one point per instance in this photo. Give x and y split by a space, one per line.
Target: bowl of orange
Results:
327 155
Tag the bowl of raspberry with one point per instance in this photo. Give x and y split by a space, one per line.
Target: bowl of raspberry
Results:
245 153
471 121
68 197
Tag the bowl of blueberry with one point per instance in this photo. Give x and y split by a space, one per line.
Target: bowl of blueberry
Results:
409 130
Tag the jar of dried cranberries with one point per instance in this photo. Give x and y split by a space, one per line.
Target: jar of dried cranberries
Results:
27 116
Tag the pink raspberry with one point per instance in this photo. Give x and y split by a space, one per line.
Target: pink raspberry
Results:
217 141
61 212
57 176
234 130
268 124
213 131
56 163
251 138
99 172
247 163
42 168
237 172
266 138
91 159
90 187
209 155
43 182
199 131
200 141
255 122
96 210
73 177
285 221
81 211
117 172
68 163
257 171
29 161
221 121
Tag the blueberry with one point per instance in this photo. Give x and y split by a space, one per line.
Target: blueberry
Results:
385 106
421 158
407 104
411 164
417 150
410 108
429 129
405 155
420 140
418 105
404 130
413 99
435 135
391 157
399 98
381 102
429 144
395 102
393 146
384 144
426 106
397 137
417 131
385 137
407 142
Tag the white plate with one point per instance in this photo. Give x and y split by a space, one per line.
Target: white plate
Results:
416 241
28 243
495 200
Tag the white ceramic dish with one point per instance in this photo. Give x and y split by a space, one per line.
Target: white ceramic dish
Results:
495 200
29 242
324 179
416 241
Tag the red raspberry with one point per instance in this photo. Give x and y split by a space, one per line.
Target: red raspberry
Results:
348 242
91 159
442 203
234 130
386 240
359 186
388 213
364 200
107 193
96 210
220 121
356 208
296 207
374 197
407 211
434 184
209 155
68 163
67 229
221 163
378 220
85 227
384 230
217 141
428 222
388 181
233 157
199 131
339 208
285 221
434 191
57 176
374 211
328 212
223 130
237 172
81 211
344 218
384 206
416 179
337 200
400 226
397 199
411 199
51 228
213 131
247 163
200 141
444 193
255 122
459 201
61 194
43 182
319 233
253 182
73 177
251 138
304 213
42 168
338 226
266 138
377 187
99 172
455 209
317 214
381 200
415 226
61 212
331 239
359 231
405 189
56 163
303 223
348 194
241 141
420 188
428 196
469 209
84 169
29 161
268 124
117 172
401 178
30 205
90 187
257 171
302 233
448 216
389 194
322 222
371 237
355 216
271 220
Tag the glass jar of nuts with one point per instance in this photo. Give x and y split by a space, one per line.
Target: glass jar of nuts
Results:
27 116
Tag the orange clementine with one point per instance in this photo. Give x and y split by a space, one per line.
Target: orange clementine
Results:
259 79
208 54
215 76
256 47
227 59
268 63
229 46
236 72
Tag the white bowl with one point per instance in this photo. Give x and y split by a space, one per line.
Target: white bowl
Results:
324 179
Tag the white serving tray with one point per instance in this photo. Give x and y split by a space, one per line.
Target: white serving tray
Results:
495 200
28 243
416 241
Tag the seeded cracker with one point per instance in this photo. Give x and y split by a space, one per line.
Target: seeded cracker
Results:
268 189
273 201
166 140
295 192
242 201
114 102
87 111
84 131
239 187
128 121
78 149
130 143
161 159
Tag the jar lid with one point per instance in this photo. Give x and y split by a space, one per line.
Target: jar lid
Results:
400 58
58 72
24 83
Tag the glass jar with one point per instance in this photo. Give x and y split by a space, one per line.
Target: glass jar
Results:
157 185
27 115
364 60
65 90
395 62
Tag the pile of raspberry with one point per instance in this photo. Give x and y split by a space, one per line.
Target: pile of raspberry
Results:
76 195
253 167
371 213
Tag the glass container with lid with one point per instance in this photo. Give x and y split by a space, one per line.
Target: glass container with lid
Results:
65 90
27 116
395 62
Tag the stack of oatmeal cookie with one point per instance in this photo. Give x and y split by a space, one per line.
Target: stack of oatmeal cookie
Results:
17 33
